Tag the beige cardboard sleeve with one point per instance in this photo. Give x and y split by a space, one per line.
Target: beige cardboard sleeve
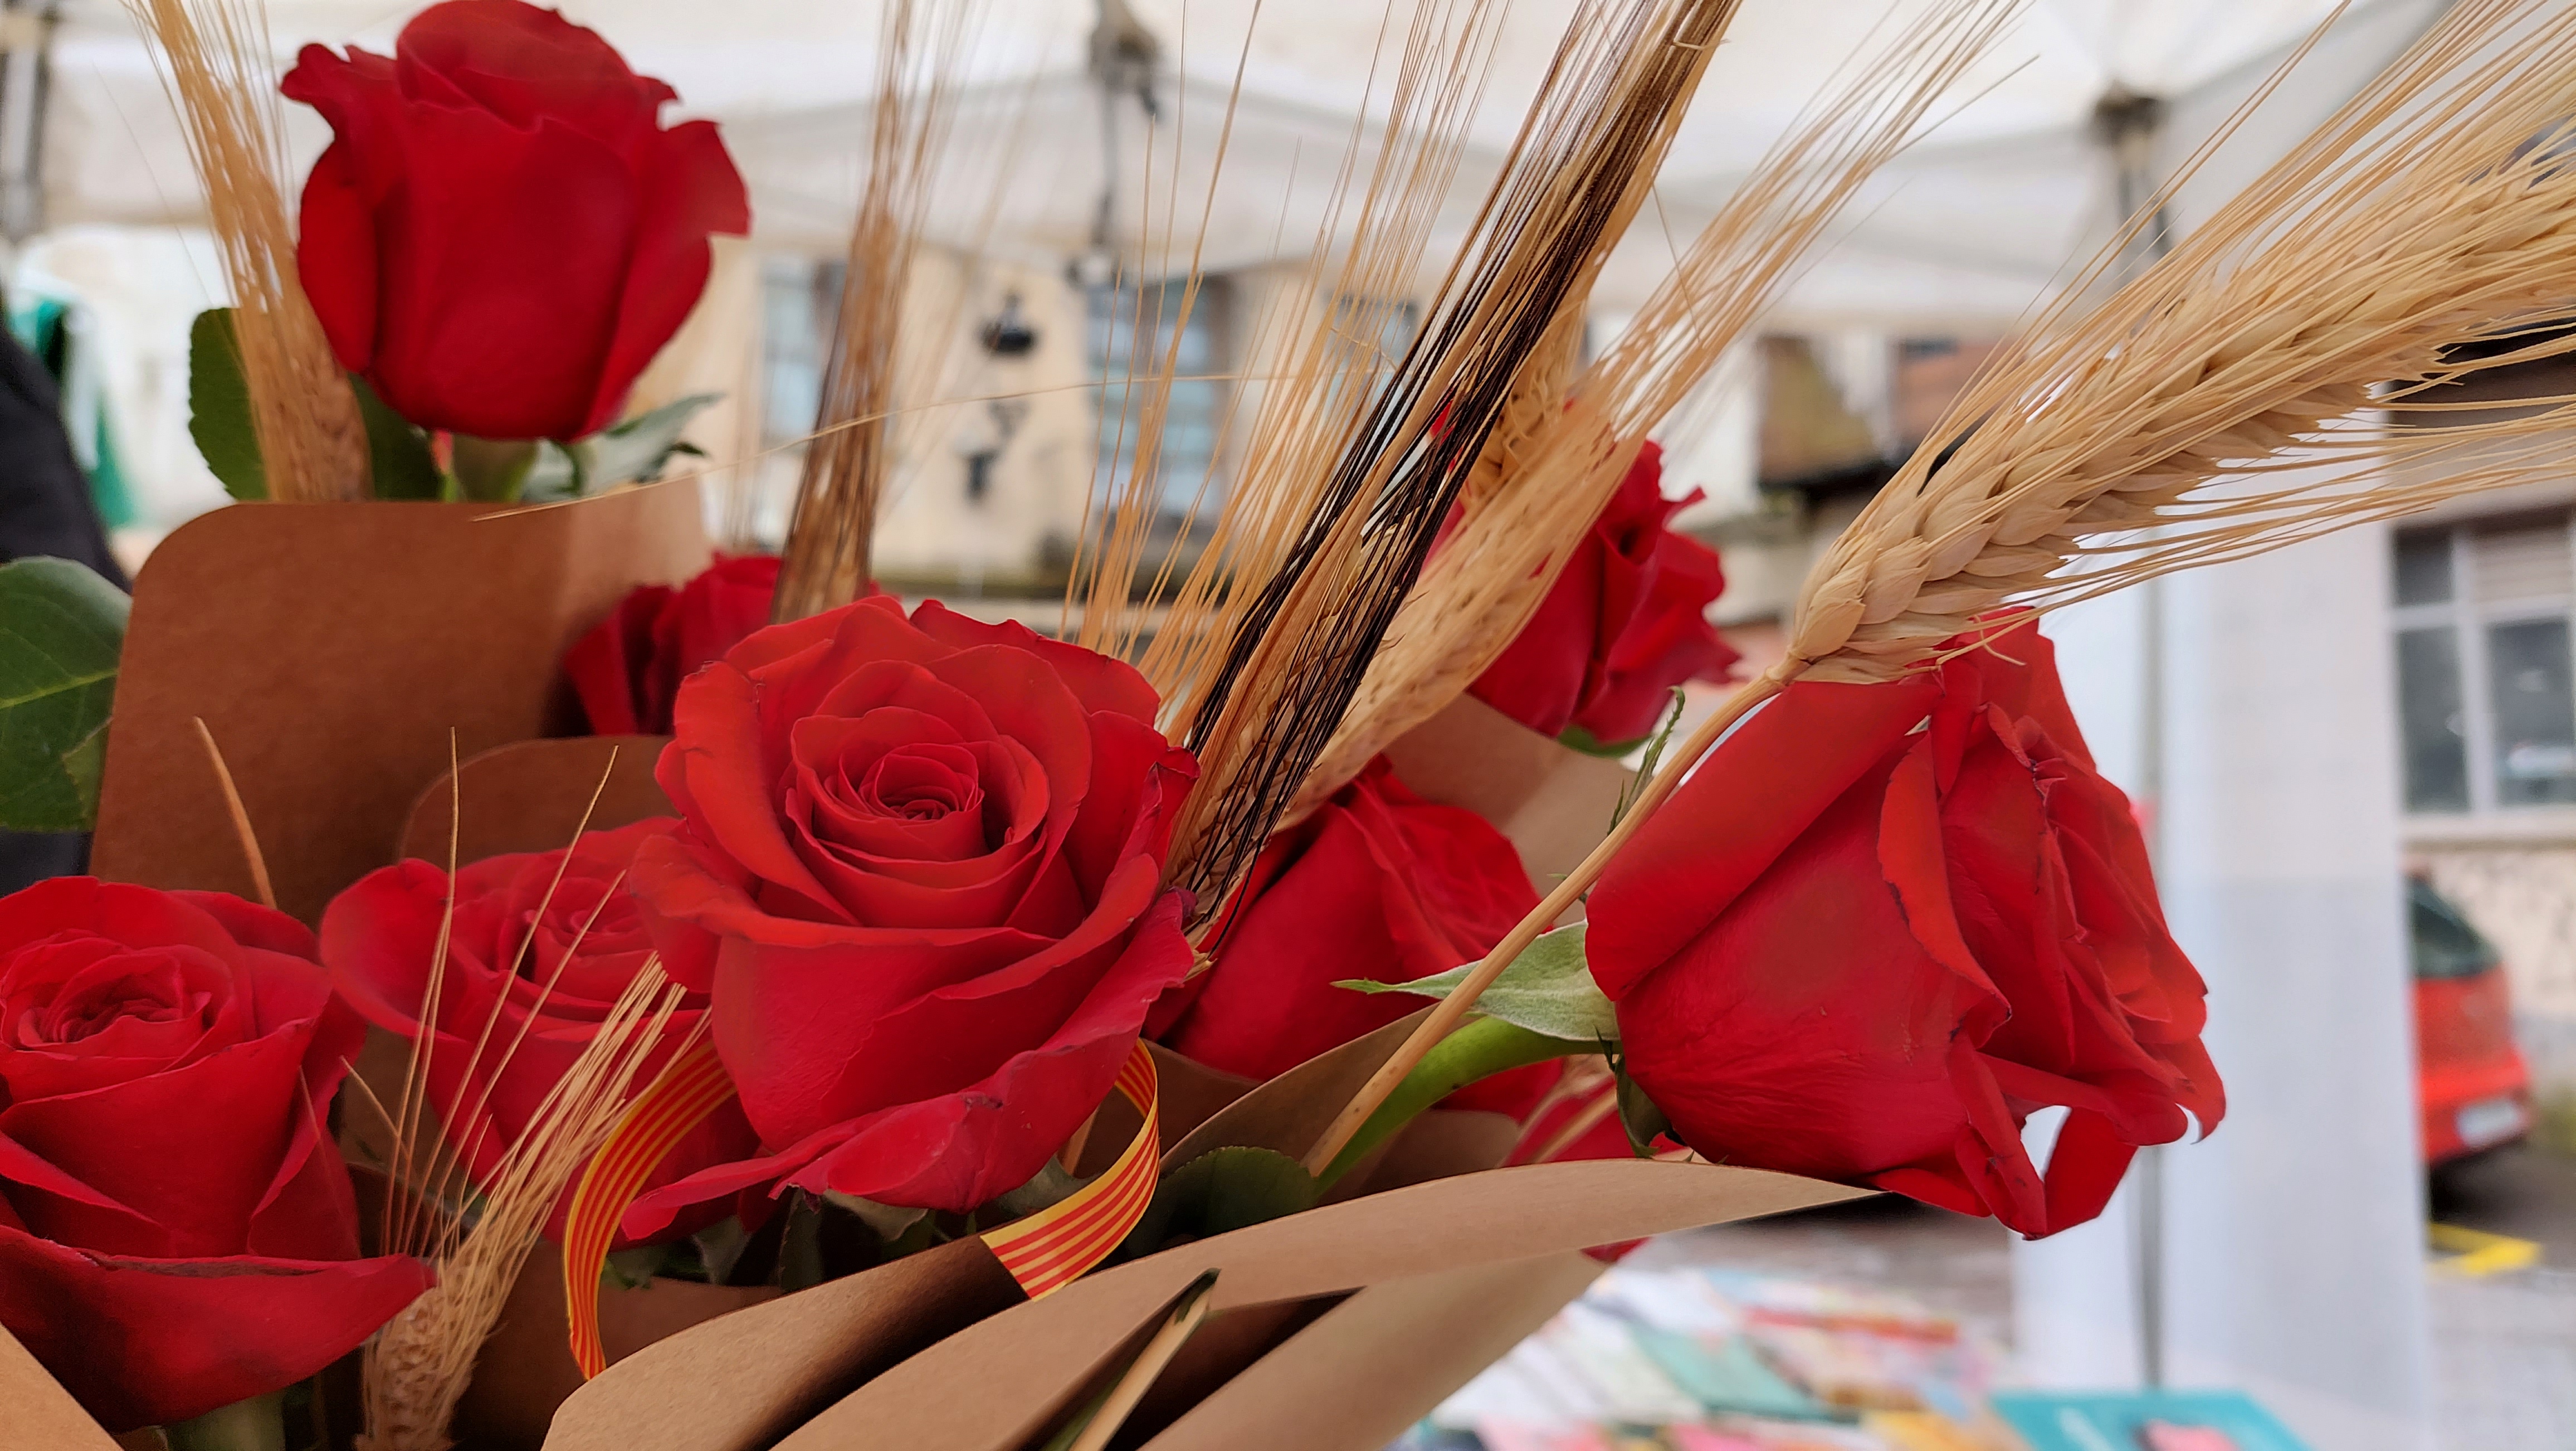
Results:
531 796
36 1414
1380 1360
1553 802
993 1386
330 649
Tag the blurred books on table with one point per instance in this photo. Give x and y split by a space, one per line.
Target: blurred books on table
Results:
1702 1359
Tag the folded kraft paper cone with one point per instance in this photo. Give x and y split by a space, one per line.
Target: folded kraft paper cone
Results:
532 796
1552 801
997 1385
330 648
1481 1254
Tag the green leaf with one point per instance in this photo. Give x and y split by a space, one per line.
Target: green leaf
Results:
634 451
1640 1116
257 1424
397 453
219 406
492 470
1576 738
61 630
1475 1052
1547 989
639 448
634 1267
890 1221
1646 767
1221 1190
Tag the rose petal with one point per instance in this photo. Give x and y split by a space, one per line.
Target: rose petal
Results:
142 1342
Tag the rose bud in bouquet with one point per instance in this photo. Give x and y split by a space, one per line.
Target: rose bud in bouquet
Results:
539 948
177 1232
1624 623
921 886
502 233
1377 883
1882 924
628 668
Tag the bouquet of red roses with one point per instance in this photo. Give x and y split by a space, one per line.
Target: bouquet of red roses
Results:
888 1026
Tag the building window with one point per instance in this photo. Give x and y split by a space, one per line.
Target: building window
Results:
2486 684
1130 334
799 299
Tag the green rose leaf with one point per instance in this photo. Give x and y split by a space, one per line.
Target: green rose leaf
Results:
1220 1190
1640 1116
61 630
219 406
635 451
397 453
1547 989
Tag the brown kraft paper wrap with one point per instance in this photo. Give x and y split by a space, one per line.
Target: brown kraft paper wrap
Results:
330 648
1554 802
531 795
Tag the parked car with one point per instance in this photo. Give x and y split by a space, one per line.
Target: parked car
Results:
2475 1088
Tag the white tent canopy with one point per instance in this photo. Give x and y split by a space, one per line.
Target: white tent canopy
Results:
1962 233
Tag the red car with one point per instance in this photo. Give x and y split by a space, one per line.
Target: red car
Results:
2475 1090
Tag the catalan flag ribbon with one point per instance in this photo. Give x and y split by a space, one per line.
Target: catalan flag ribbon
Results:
1056 1246
1044 1252
662 1115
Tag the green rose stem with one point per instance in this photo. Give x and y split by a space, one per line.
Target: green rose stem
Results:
1477 1051
257 1424
491 470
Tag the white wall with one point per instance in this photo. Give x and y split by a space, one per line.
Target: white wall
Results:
2293 1237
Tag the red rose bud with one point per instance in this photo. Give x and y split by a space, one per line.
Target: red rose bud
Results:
176 1229
534 965
1625 622
628 668
921 883
501 234
1862 948
1377 883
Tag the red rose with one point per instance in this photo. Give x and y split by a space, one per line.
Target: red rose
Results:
921 883
1625 622
176 1228
1859 950
534 964
1377 883
501 234
629 666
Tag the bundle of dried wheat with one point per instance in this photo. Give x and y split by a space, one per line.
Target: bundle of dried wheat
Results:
2217 406
1262 710
1326 330
479 1234
1562 449
311 439
851 453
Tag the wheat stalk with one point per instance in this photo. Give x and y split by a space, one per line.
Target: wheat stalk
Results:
419 1364
215 58
1594 135
1543 482
2211 409
1325 328
825 562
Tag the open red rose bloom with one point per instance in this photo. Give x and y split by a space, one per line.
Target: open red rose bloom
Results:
920 884
537 948
176 1228
1884 924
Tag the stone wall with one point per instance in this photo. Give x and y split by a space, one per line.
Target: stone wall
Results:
2524 899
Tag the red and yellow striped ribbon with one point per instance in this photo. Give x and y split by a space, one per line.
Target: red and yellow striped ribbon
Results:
1044 1252
659 1118
1057 1245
